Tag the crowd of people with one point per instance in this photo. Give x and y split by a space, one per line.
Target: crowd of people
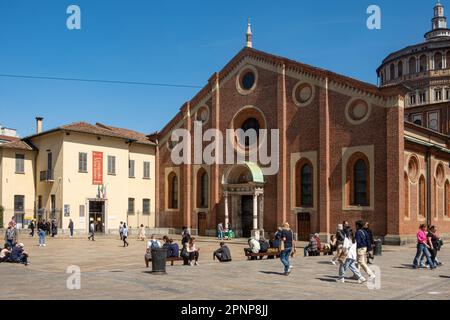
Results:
350 250
13 251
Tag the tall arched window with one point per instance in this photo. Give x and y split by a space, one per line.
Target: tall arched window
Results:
173 190
407 203
305 184
447 199
358 180
202 188
422 197
400 69
412 65
437 61
392 72
423 63
360 183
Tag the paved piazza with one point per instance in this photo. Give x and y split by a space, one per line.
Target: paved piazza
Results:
110 271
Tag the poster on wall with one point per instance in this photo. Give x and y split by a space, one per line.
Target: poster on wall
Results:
97 168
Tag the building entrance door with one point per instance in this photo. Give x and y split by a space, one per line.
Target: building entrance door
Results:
247 216
97 215
202 224
304 226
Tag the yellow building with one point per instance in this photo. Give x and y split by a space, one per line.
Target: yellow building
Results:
81 172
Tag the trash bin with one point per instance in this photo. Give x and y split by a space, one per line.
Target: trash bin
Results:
159 257
378 250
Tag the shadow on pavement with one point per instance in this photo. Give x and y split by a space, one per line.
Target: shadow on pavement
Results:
445 277
272 272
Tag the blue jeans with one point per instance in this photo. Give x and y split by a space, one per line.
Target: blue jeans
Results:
349 264
422 249
41 237
284 257
10 243
220 235
306 251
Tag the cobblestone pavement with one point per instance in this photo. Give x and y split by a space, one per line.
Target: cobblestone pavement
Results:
109 271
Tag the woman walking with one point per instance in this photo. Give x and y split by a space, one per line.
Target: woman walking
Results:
142 233
41 233
287 247
125 235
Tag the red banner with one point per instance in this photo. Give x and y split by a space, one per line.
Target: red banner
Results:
97 168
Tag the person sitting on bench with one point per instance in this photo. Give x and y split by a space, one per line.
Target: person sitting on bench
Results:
312 248
222 254
173 250
254 247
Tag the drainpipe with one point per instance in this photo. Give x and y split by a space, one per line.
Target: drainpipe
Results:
429 185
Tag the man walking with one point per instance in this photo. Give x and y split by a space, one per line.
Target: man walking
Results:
91 231
41 233
121 230
31 226
287 246
363 245
71 228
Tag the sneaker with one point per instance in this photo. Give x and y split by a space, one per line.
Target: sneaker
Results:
196 263
191 263
333 262
287 273
362 280
340 280
291 267
43 245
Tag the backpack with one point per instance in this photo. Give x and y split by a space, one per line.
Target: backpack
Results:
264 246
155 245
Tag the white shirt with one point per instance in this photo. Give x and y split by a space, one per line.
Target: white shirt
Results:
352 252
149 244
255 246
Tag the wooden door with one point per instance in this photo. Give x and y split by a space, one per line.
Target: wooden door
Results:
304 226
202 224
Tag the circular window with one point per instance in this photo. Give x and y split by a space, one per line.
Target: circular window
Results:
246 80
413 168
440 174
249 119
357 111
303 94
202 114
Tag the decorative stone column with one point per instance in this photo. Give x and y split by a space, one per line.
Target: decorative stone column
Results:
255 232
227 218
261 213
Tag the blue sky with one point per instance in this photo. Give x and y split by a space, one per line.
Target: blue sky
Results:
177 42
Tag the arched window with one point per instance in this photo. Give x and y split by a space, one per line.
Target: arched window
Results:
447 199
437 61
422 197
400 69
304 192
423 63
412 65
407 201
358 180
360 183
172 181
250 124
392 72
202 188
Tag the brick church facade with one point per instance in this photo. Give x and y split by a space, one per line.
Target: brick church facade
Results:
345 153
